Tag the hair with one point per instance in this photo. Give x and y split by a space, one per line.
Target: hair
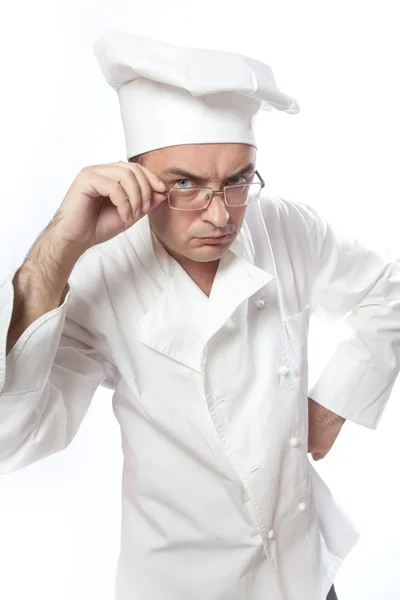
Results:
137 159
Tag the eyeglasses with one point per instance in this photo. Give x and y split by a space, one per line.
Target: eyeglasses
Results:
199 198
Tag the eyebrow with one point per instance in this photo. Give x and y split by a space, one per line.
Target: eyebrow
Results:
192 176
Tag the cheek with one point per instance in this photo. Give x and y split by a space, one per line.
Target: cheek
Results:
170 225
236 216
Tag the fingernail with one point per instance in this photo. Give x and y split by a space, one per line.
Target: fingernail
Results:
162 185
146 206
137 214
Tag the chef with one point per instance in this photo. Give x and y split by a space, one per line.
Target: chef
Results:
197 317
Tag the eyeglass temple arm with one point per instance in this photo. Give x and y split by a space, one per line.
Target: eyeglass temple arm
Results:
261 179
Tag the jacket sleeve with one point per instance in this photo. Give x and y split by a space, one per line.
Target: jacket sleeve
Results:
353 283
47 382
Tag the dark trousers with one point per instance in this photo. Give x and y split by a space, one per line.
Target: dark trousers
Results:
332 594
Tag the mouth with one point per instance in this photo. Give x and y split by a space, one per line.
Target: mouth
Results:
215 239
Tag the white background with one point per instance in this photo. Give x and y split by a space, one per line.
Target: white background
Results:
60 518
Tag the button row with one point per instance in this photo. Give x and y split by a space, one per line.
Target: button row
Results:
302 507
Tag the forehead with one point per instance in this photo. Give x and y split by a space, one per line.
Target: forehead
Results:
207 160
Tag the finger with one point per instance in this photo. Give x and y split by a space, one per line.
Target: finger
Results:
130 177
128 181
317 456
108 188
150 196
154 180
146 189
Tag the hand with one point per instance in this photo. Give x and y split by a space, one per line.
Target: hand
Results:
323 428
103 201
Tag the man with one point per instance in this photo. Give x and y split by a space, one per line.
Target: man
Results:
174 280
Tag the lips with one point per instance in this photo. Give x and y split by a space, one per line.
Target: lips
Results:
214 240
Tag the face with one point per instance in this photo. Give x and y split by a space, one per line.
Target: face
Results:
186 234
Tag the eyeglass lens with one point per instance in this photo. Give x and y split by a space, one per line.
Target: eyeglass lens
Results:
198 198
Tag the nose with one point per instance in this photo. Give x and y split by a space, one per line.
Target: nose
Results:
216 212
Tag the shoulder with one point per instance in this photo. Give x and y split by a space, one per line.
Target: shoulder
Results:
289 213
97 277
113 261
124 271
286 222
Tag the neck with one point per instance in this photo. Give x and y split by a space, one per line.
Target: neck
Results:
202 273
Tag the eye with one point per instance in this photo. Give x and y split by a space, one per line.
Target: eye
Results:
182 184
237 180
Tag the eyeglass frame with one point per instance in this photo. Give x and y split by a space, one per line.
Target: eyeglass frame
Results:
214 192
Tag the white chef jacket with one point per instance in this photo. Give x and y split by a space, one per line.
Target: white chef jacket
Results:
219 500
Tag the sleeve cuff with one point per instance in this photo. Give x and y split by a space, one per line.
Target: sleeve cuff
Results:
28 373
352 389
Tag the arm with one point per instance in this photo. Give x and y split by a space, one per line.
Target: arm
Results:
40 284
356 284
50 362
51 367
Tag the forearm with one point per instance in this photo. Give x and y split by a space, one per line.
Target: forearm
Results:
40 283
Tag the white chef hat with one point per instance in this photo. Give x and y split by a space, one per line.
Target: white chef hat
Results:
171 95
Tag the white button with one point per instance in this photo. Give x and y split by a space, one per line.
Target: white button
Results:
271 534
302 507
294 442
260 303
284 371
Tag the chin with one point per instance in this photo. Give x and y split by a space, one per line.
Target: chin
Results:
208 253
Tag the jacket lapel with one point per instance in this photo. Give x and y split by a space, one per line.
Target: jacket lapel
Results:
236 281
183 319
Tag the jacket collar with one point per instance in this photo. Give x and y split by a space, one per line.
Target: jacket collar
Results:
183 319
